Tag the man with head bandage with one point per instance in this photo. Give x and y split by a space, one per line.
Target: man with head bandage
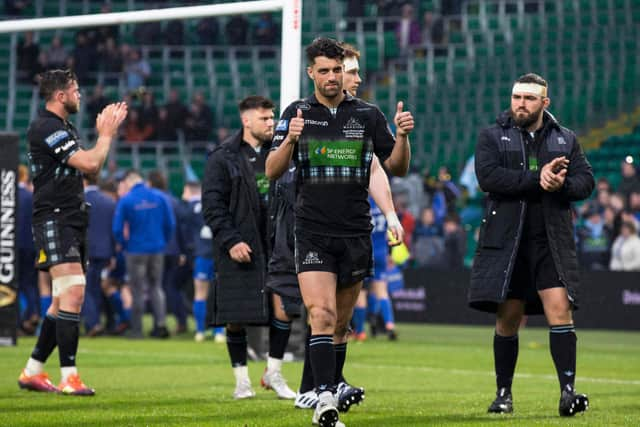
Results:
525 263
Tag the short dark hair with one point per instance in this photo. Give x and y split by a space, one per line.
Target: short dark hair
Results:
157 179
532 78
324 46
54 80
350 50
255 102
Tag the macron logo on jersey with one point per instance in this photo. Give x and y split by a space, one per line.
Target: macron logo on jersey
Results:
282 126
53 139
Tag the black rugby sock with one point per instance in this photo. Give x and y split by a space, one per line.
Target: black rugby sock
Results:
47 340
67 333
306 383
237 347
323 362
279 332
341 355
562 343
505 353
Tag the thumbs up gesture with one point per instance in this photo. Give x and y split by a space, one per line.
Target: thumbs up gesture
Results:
295 127
403 120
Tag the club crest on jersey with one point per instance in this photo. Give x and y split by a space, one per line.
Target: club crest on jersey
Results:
353 128
53 139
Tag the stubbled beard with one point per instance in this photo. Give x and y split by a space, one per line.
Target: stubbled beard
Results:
71 108
263 137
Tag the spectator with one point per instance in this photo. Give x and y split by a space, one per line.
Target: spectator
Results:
106 32
175 253
407 219
408 30
455 243
174 33
634 203
148 33
15 7
176 111
593 241
149 111
427 226
617 205
100 252
207 31
630 178
449 189
625 254
96 103
432 30
137 70
428 241
83 58
389 7
355 8
199 121
164 130
236 30
111 62
56 56
28 52
265 32
603 184
135 131
222 133
151 224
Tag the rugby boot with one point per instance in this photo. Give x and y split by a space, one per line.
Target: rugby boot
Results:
37 382
503 404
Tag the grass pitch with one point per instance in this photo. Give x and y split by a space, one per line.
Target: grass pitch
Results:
434 375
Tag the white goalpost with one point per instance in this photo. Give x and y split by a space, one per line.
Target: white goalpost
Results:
291 29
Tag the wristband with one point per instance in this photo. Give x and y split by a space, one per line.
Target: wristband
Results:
392 220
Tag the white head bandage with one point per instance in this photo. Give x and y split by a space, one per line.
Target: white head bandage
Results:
532 88
351 63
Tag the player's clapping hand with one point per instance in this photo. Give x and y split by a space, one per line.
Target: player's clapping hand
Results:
295 127
403 120
110 118
240 252
553 174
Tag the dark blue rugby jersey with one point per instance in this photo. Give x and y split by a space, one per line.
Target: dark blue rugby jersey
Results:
333 158
57 187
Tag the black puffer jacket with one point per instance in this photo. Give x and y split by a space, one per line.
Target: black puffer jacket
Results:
502 171
232 211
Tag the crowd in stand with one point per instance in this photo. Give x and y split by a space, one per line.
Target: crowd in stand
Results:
607 226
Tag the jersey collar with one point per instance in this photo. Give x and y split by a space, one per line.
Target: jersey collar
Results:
314 101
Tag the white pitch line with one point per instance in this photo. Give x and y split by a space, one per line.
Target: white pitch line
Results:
191 356
492 374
